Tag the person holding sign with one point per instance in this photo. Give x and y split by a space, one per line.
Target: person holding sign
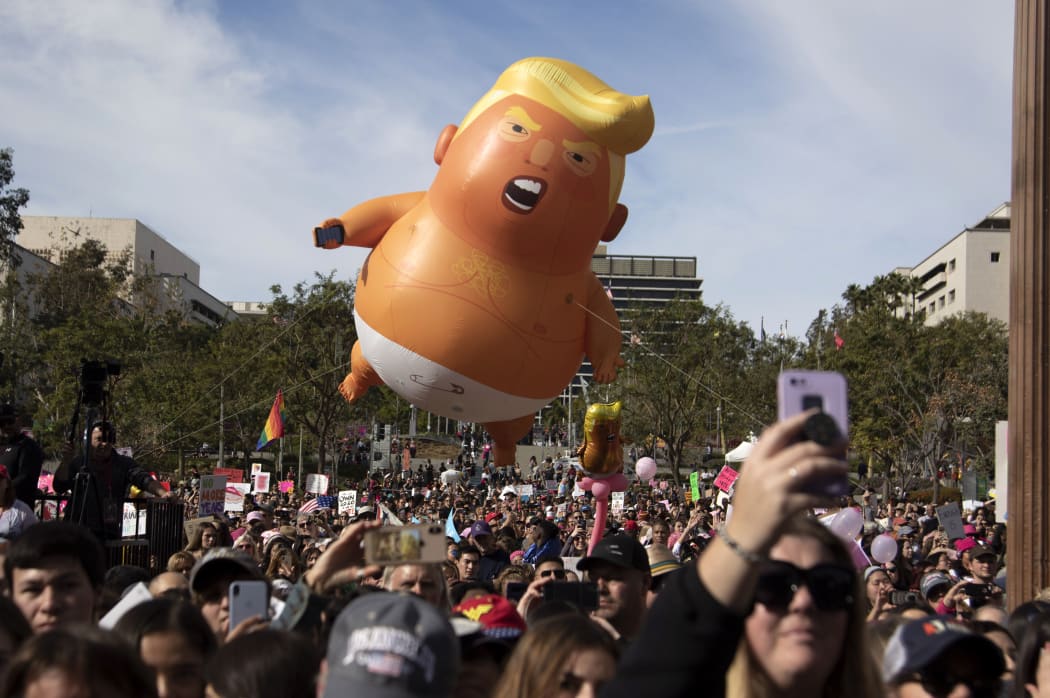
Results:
774 595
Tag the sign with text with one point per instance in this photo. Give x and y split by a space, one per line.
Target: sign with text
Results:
317 483
213 495
726 477
261 483
235 492
348 501
232 474
134 522
950 518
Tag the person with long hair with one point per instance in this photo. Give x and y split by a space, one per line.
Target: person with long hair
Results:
769 592
563 656
173 640
806 635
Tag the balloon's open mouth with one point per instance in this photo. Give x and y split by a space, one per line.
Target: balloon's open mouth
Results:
523 193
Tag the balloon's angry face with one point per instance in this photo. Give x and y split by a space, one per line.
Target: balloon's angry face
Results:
525 185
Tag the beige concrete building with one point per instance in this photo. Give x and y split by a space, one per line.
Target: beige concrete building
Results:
969 272
177 275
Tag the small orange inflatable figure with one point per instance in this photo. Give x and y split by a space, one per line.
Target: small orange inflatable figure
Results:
477 301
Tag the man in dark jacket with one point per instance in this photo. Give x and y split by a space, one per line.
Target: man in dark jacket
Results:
22 456
103 482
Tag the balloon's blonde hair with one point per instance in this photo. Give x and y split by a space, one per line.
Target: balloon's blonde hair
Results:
620 122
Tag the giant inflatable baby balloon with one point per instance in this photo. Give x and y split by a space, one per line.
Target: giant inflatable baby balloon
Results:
477 301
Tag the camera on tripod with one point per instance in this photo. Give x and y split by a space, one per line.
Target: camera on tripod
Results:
93 377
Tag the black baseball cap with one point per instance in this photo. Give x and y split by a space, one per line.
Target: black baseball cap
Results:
620 550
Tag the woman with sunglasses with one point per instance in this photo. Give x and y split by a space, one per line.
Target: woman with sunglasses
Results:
717 613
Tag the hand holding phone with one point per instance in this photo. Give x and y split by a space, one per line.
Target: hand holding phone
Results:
799 391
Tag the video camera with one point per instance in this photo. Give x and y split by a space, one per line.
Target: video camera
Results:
93 377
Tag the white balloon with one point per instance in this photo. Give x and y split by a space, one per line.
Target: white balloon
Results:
847 523
883 548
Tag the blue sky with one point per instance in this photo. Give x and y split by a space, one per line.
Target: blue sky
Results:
800 146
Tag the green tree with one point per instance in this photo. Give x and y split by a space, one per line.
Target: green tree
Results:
685 362
11 200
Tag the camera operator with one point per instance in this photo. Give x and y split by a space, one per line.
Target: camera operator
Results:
101 506
20 454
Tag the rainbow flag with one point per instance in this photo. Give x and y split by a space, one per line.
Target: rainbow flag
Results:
274 428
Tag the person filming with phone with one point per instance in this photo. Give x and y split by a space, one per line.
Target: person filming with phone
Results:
774 601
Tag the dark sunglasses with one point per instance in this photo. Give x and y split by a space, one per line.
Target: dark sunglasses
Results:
940 684
831 586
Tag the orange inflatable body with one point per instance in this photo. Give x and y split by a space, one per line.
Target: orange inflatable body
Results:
477 301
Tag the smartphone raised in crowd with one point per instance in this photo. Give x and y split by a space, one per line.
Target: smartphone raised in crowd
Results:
799 391
249 597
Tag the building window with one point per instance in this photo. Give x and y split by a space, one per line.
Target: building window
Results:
951 296
951 265
995 257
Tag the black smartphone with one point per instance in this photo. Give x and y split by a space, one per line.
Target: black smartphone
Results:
515 590
583 595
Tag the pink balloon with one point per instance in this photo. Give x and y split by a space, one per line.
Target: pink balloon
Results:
883 548
847 523
600 489
646 468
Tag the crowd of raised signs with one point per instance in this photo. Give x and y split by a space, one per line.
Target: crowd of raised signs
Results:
492 588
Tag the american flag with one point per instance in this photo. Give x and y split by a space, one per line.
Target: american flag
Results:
322 501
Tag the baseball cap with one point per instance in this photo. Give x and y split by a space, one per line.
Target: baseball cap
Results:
480 528
620 550
392 646
218 561
980 550
933 580
498 617
918 643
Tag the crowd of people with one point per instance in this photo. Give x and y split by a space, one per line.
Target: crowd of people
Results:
753 596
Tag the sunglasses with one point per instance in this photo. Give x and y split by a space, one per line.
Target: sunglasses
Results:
831 586
940 683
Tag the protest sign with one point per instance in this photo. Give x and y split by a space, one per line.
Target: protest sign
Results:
134 521
694 486
348 501
212 495
726 477
235 492
317 483
286 485
261 483
617 501
950 518
232 474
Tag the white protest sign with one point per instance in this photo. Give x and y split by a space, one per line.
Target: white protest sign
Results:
348 501
213 494
235 492
134 521
950 518
617 501
317 483
261 483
